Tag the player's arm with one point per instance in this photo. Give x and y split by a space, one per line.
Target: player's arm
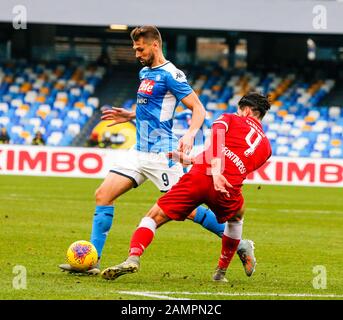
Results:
193 103
183 158
219 181
217 162
117 115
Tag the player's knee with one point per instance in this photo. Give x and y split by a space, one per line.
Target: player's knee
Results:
233 229
157 214
238 216
102 197
98 195
191 216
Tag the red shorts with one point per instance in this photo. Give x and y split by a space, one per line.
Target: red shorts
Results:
194 189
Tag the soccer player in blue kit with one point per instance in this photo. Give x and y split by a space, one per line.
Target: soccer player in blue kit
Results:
161 89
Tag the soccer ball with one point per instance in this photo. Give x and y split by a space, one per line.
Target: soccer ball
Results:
82 255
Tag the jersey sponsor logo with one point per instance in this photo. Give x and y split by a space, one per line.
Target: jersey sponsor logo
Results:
146 86
141 100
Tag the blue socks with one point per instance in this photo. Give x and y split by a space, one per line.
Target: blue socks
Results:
208 220
102 223
103 218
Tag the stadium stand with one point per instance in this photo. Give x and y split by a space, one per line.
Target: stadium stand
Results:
56 99
297 125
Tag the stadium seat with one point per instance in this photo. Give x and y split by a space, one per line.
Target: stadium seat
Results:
55 138
73 129
3 107
41 96
336 153
4 121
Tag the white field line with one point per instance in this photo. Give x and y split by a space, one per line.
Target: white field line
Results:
166 294
150 295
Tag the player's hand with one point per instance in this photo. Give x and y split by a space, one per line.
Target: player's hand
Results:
117 115
220 184
186 143
181 157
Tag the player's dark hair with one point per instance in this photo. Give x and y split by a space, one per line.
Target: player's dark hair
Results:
147 33
257 102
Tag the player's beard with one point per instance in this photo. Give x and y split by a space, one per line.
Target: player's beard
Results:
149 61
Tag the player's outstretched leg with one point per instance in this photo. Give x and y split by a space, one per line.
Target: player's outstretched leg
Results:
140 240
102 223
111 188
207 219
230 241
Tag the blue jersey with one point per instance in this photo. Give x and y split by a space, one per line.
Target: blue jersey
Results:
160 91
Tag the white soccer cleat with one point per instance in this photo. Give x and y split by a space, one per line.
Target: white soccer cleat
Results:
66 267
245 252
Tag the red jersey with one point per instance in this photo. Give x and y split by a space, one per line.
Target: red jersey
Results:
242 145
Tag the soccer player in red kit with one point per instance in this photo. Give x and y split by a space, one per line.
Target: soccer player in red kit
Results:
238 147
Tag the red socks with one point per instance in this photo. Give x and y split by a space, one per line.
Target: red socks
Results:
140 240
229 247
143 236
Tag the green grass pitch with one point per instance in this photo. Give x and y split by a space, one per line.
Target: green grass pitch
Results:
297 232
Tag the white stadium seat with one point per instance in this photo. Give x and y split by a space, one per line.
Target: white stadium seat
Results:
3 106
4 121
